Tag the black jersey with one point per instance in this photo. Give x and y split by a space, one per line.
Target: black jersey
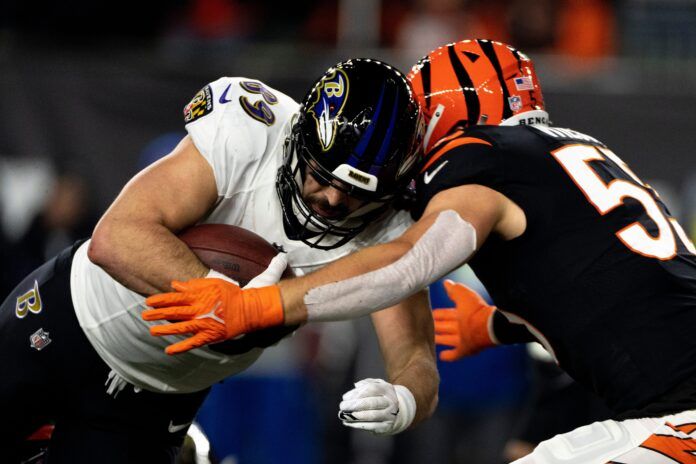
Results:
602 272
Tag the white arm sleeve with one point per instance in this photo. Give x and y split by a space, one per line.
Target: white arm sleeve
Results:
448 243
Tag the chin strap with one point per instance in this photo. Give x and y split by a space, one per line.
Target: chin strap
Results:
437 114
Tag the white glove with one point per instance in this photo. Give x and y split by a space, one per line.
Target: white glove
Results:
268 277
213 274
272 274
378 406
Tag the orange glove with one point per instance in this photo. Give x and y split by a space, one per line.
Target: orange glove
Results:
465 327
213 310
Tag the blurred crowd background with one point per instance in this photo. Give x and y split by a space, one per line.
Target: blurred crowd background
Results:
91 92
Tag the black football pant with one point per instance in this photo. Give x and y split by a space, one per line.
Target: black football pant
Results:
49 373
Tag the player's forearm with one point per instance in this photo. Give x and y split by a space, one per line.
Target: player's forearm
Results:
420 376
381 276
142 255
293 291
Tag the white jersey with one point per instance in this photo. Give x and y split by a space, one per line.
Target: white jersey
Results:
242 140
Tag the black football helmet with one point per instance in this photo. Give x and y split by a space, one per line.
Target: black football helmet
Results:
359 130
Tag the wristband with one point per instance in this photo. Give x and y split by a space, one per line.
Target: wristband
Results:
407 409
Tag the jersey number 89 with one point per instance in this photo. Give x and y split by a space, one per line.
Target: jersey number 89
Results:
605 197
260 109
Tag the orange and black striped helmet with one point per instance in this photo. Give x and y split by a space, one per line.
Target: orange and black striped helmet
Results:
475 82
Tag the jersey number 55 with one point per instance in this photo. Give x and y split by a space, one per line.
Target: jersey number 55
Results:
576 160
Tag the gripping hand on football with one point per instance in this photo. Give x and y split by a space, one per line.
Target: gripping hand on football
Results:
378 406
214 309
466 327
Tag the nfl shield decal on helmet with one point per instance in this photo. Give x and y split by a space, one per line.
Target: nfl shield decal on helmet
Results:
39 339
331 95
515 102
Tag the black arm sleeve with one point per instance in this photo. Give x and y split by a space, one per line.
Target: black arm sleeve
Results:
508 333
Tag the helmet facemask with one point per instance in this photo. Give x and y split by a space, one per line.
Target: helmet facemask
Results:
301 221
358 131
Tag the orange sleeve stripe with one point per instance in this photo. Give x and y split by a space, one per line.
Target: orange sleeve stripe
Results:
450 145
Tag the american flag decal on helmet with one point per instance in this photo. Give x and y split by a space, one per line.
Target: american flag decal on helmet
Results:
524 83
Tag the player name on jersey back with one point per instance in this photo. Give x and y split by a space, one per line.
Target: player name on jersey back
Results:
567 134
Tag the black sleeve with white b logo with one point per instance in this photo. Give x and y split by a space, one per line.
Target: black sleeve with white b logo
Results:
51 374
603 274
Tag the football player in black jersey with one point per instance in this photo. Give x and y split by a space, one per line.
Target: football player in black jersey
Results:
573 246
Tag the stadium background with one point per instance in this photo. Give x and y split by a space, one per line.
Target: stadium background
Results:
90 92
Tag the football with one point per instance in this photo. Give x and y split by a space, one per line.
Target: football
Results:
241 255
238 253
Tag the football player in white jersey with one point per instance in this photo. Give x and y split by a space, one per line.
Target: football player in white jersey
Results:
581 254
317 179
